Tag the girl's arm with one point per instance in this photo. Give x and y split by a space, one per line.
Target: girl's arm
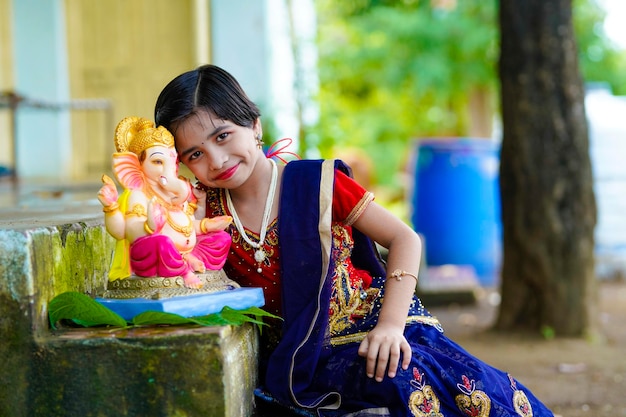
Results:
385 343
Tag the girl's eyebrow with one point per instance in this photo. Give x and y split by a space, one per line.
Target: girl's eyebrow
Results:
188 151
211 134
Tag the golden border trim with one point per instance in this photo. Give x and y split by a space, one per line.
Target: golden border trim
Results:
356 212
358 337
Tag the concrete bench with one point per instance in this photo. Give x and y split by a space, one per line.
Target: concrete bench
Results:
154 371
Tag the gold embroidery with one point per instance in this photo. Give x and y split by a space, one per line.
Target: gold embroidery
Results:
521 404
520 400
349 300
423 402
477 402
472 401
359 336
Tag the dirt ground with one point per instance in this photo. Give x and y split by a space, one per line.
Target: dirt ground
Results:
573 377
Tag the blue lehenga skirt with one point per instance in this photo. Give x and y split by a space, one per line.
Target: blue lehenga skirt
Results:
443 379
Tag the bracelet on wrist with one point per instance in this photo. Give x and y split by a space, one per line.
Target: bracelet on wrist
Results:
399 273
147 228
203 225
111 208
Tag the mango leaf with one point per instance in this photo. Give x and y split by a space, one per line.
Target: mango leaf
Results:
83 310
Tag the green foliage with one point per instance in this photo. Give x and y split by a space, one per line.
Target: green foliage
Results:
87 312
600 59
83 310
394 70
391 71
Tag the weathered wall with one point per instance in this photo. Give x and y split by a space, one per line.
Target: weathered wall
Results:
156 371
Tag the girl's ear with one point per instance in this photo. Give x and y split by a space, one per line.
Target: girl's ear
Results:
257 127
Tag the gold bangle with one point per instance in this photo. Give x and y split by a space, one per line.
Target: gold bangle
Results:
111 208
399 273
203 226
147 228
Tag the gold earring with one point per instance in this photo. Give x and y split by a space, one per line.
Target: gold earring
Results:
259 141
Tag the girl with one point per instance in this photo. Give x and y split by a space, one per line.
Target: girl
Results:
354 339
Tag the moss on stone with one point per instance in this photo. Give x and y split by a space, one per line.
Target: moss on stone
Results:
155 371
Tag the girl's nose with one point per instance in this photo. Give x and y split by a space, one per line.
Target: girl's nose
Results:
217 159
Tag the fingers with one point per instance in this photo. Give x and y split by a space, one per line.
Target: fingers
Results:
406 355
394 358
107 180
384 356
199 194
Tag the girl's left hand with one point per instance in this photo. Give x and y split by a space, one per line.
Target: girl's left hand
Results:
200 196
382 348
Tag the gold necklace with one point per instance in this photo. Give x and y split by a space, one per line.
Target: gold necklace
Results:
186 230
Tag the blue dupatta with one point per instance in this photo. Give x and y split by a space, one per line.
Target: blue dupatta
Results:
442 380
304 226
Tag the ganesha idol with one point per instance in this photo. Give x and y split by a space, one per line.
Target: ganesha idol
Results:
162 250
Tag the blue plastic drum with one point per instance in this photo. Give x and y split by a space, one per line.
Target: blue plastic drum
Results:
456 204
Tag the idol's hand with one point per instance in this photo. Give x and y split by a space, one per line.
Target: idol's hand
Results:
382 348
108 193
156 215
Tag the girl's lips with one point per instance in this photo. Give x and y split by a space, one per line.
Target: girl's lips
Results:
227 174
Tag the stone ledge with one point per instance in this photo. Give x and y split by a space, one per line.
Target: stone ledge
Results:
154 371
160 371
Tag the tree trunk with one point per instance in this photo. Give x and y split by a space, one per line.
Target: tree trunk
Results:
548 205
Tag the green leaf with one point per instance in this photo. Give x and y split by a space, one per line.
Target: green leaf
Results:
159 317
83 310
258 312
87 312
236 318
212 320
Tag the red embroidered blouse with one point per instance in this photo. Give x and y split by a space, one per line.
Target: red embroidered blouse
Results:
241 266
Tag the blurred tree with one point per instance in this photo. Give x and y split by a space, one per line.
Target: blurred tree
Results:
391 71
394 70
548 205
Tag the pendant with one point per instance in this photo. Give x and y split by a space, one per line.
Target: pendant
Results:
259 255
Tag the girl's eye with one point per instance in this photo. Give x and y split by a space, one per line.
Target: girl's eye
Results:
195 155
222 136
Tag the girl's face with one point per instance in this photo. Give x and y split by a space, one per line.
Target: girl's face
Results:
220 153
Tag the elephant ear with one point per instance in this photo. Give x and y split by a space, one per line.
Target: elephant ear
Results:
128 170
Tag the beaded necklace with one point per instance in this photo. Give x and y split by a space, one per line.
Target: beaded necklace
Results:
259 253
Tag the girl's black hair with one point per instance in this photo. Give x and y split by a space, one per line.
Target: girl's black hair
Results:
208 88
